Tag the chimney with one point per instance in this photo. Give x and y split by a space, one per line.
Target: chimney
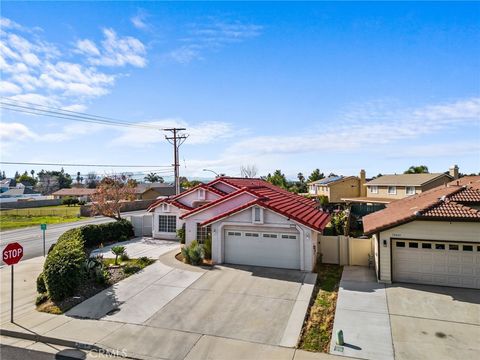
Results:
363 188
453 171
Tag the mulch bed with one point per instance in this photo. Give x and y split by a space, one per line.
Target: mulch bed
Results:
205 262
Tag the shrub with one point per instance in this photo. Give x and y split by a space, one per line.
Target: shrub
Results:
124 257
195 253
41 288
181 234
207 248
63 267
95 235
40 299
82 202
185 255
131 269
118 251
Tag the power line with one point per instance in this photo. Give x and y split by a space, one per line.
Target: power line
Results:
50 111
90 165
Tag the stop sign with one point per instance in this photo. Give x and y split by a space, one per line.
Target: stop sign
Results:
12 253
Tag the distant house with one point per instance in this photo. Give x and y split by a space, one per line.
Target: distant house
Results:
431 237
337 187
82 194
19 191
6 184
154 190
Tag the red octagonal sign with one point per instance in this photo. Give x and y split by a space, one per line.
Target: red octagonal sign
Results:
12 253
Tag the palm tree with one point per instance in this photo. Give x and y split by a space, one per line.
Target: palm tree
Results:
153 177
118 251
421 169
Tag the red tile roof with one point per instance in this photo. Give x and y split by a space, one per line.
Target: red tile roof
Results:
441 203
292 206
472 181
171 201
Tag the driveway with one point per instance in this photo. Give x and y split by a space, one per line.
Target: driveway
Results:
170 299
405 321
443 322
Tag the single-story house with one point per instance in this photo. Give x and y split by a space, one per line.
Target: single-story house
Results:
430 238
147 191
337 187
250 221
20 191
82 194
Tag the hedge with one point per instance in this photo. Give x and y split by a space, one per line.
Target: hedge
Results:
62 272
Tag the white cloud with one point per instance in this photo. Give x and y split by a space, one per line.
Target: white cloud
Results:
9 88
36 71
115 50
139 20
14 132
201 133
212 35
87 47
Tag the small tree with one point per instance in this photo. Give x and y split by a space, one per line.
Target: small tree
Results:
118 251
248 171
110 194
315 175
420 169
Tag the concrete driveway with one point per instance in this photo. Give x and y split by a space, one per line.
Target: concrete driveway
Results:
434 322
261 305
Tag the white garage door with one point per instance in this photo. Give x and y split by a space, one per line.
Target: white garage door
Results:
262 249
437 263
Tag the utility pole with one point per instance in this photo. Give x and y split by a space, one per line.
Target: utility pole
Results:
176 140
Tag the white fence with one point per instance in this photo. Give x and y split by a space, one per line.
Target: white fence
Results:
344 250
142 224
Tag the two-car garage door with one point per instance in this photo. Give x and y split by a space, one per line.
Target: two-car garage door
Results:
271 249
437 263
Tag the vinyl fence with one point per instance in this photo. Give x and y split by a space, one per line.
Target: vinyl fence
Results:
142 224
345 250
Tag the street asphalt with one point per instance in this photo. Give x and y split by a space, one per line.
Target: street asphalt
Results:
31 237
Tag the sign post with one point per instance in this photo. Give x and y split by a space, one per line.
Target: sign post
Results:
43 227
11 255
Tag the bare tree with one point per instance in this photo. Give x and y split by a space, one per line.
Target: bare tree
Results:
248 171
110 194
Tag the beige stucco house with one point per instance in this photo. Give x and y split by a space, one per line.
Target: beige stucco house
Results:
430 238
337 187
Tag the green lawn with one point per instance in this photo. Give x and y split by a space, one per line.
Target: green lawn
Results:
317 331
18 218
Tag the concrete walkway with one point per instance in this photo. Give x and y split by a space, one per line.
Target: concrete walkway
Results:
138 341
362 314
140 246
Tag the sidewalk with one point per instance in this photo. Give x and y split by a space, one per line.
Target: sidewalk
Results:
37 330
362 315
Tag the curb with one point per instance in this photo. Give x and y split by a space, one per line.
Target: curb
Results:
61 342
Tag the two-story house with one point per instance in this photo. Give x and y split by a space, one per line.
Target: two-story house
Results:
337 187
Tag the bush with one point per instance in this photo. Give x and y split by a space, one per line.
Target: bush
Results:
195 253
41 288
131 269
207 248
40 299
124 257
181 234
185 255
63 267
95 235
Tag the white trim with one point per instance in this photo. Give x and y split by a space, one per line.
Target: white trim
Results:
410 193
394 188
372 187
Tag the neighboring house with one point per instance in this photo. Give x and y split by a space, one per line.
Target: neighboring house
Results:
250 221
387 188
430 238
82 194
154 191
6 184
335 188
19 191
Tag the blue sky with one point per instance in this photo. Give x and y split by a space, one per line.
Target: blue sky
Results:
292 86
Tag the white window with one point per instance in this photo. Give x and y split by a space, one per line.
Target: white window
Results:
167 223
410 190
201 194
374 189
233 233
285 236
257 215
203 233
273 236
165 208
251 234
392 190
